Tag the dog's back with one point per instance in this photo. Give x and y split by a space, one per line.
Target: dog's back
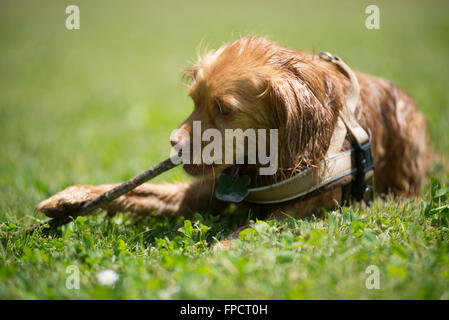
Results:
398 133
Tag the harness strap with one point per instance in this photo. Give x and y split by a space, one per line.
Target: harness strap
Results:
306 181
346 116
336 164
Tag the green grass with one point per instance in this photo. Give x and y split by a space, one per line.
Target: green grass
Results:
97 105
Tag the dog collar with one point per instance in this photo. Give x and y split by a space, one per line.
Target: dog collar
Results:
356 163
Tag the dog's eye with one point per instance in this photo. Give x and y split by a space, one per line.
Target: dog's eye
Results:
222 108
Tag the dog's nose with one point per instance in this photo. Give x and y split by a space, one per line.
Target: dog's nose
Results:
176 139
179 137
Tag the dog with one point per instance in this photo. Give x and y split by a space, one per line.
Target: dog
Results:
256 83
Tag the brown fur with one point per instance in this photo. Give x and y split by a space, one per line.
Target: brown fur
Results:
255 83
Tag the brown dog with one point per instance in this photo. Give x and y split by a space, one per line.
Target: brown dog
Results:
255 83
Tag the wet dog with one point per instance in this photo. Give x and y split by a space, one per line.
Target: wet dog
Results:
256 83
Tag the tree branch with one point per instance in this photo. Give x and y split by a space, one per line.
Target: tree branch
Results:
110 195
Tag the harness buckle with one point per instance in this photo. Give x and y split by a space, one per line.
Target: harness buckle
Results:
328 56
364 163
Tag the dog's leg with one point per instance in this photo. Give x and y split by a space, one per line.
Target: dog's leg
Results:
166 199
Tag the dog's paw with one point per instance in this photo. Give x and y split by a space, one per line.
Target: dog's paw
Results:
66 201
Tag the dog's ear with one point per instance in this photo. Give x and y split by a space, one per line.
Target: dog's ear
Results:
304 122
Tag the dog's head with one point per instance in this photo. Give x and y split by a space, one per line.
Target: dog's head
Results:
253 83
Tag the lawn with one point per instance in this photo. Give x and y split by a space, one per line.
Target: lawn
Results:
97 105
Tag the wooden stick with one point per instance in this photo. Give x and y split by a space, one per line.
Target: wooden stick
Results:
110 195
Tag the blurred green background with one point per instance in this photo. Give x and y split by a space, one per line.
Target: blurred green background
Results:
97 105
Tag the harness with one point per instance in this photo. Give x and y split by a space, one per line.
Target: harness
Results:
355 164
